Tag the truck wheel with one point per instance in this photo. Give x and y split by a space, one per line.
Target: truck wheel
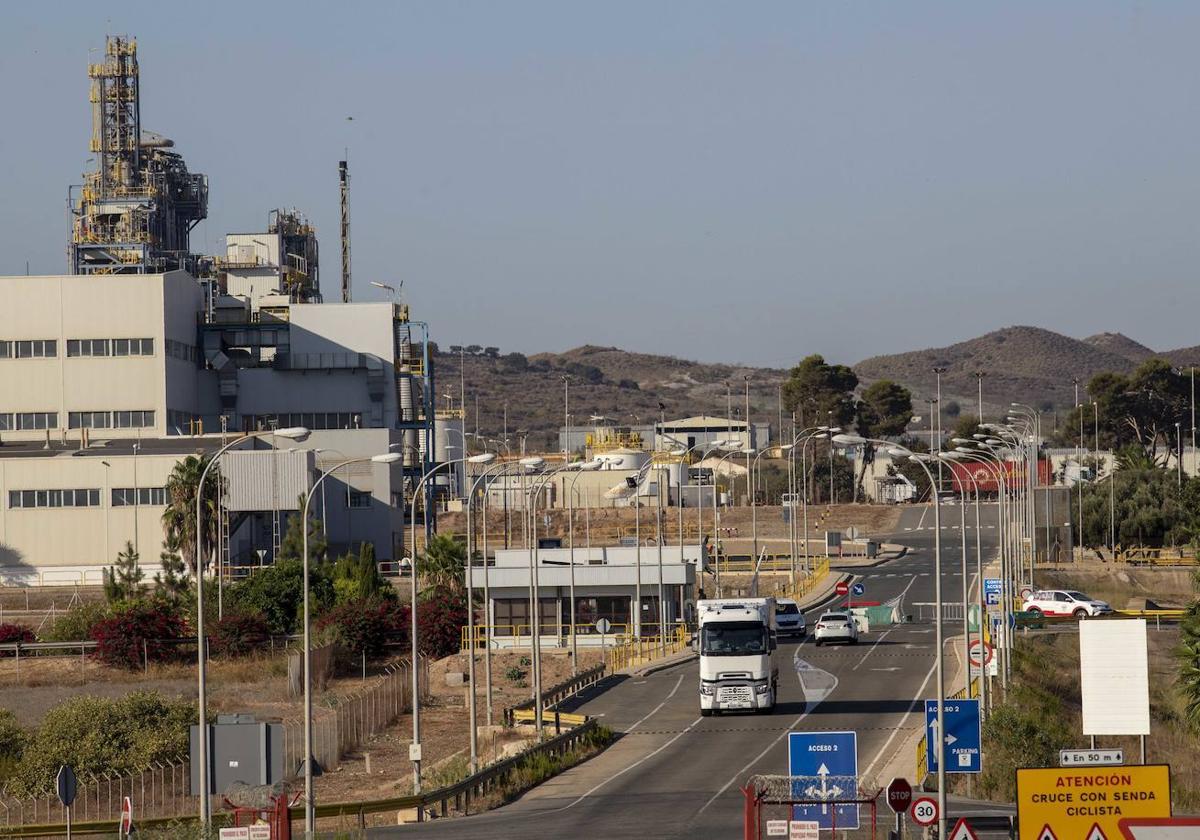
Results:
706 712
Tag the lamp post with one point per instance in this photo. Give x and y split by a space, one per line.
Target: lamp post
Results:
787 447
536 594
821 431
309 803
487 650
716 516
589 466
415 748
962 504
291 433
900 452
937 372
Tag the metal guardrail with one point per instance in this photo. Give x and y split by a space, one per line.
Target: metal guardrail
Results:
808 583
553 696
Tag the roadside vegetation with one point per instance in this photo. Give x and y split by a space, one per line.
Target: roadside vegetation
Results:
1042 713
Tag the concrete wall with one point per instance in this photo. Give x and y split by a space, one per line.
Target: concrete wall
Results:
67 307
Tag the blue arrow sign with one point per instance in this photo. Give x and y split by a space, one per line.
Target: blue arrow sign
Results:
829 761
858 590
993 590
961 739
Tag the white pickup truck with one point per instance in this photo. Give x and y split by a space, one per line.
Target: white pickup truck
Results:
738 641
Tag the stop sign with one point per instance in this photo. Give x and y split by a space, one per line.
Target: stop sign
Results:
899 795
842 588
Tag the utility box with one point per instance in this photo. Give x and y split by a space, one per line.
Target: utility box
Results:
240 749
872 549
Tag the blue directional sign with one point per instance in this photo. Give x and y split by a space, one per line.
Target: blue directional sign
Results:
828 761
858 590
961 739
993 591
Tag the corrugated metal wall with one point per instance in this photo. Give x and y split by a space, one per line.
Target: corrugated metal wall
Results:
266 479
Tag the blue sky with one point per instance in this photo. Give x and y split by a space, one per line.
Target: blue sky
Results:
723 181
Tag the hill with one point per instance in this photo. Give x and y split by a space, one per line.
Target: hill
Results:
1020 364
624 387
1121 345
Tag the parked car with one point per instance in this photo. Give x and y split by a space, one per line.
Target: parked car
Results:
836 626
1064 602
788 619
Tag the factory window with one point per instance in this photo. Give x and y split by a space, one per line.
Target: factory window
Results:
133 419
316 420
6 348
6 422
89 420
126 496
36 349
133 346
53 498
88 347
33 420
359 499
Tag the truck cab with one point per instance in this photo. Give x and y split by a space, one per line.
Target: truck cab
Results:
738 640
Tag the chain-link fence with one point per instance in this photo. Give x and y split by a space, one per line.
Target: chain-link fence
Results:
342 723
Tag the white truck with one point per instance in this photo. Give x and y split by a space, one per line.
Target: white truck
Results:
737 642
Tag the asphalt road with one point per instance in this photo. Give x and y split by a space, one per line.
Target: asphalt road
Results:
672 773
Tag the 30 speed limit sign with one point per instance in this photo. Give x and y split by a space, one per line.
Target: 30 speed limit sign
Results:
924 811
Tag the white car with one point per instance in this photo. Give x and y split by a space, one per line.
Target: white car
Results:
1064 602
836 626
789 621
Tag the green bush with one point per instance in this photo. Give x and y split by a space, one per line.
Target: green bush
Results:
95 735
277 593
76 623
357 578
12 743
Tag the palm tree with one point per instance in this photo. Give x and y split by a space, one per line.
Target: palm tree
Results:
179 518
442 566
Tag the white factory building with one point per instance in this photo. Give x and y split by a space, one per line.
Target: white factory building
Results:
107 381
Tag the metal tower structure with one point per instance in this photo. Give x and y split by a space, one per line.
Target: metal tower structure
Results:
344 178
135 212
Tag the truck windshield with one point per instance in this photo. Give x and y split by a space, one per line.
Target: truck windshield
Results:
733 638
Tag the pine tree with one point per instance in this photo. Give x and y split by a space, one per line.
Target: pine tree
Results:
172 582
123 582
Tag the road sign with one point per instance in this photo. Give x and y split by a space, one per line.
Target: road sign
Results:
1071 802
777 828
993 591
1171 828
259 831
981 653
962 831
961 741
830 761
1025 592
126 817
924 811
858 590
1079 758
66 785
804 830
899 795
603 625
853 533
842 588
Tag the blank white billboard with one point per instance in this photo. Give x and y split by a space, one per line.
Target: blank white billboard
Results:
1114 677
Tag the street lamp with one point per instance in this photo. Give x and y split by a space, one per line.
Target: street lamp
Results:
922 461
291 433
589 466
716 519
309 804
414 751
787 447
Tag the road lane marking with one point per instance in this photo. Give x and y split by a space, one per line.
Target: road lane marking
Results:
678 683
921 521
809 705
872 650
687 729
919 697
